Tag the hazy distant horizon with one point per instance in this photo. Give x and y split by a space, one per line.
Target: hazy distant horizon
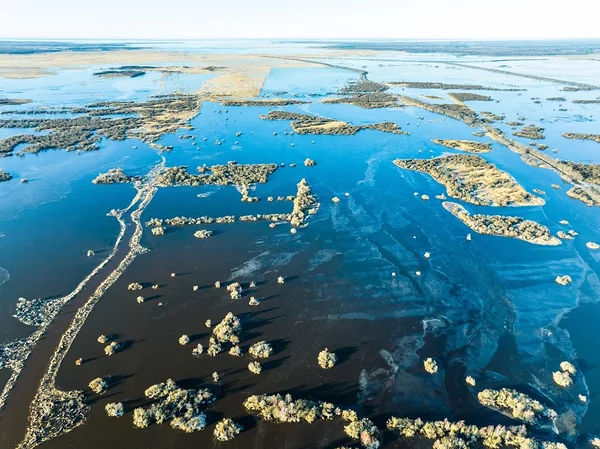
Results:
287 39
312 20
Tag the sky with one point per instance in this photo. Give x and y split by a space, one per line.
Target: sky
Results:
310 19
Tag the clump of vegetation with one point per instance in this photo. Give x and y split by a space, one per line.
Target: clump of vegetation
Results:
99 385
368 100
203 234
253 301
468 96
215 377
235 290
135 286
430 365
184 340
185 409
226 332
593 137
114 409
284 409
470 381
305 204
263 102
115 176
459 435
309 162
197 350
261 350
13 101
563 377
516 405
102 339
280 280
563 280
140 299
158 230
112 348
449 86
255 367
312 124
4 176
227 430
568 367
469 146
214 349
365 431
456 111
503 225
231 174
235 351
531 132
327 359
363 86
37 312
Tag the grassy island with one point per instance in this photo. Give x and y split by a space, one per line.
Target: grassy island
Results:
311 124
468 96
506 226
471 178
13 101
115 176
470 146
231 173
578 136
445 86
531 132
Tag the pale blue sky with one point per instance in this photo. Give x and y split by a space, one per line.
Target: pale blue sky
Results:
387 19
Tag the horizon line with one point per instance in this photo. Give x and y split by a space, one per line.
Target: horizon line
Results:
298 39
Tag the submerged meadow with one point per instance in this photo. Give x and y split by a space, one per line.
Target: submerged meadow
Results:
284 258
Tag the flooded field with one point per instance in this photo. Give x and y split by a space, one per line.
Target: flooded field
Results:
376 270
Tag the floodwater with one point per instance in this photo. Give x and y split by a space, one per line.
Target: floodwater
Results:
488 308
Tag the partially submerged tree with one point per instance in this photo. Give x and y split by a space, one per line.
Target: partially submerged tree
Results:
430 365
114 409
227 430
99 385
255 367
184 408
326 359
197 350
112 348
135 286
261 350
